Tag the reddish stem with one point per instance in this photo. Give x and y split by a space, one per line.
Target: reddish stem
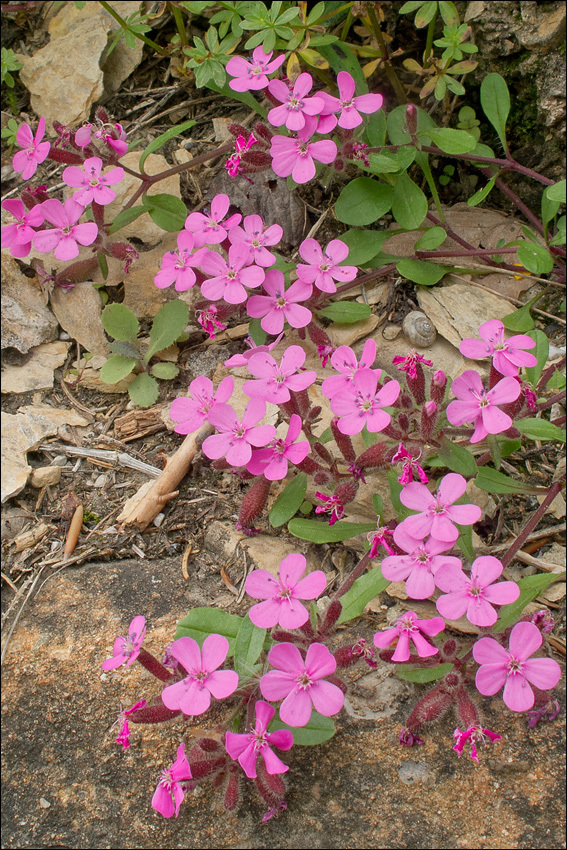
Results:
532 524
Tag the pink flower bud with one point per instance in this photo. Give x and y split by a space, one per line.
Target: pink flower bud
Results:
411 119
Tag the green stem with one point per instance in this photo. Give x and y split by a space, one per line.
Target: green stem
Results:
125 26
429 41
179 23
388 67
424 163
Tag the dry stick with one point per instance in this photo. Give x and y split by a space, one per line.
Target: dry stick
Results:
530 526
163 489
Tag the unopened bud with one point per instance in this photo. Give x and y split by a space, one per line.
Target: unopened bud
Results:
254 502
437 388
428 420
411 119
346 491
232 793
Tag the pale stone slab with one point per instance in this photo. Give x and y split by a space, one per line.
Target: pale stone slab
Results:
37 372
26 320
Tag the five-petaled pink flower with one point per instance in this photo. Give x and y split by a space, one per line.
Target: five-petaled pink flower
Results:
295 155
248 746
476 595
280 304
94 186
64 237
508 355
34 150
348 105
471 736
343 360
251 76
193 412
438 513
213 228
230 278
408 628
237 436
281 594
323 268
18 236
408 363
169 793
479 406
362 404
301 684
177 266
295 103
419 566
513 668
127 649
193 693
272 462
256 236
276 381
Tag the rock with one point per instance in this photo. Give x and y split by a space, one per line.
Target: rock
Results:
226 543
45 476
37 372
26 320
78 312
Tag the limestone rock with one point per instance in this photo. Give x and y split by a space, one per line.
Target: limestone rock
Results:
37 372
45 476
78 312
26 321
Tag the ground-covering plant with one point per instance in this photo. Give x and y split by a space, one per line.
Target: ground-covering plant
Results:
428 435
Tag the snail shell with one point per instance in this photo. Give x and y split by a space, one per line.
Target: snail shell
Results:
419 329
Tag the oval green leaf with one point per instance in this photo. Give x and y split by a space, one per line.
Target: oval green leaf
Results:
530 588
345 312
247 648
289 501
124 218
164 371
363 201
495 101
431 239
119 322
322 532
317 731
144 390
409 204
202 622
363 590
451 141
535 258
540 429
422 675
168 324
492 481
116 368
420 271
167 211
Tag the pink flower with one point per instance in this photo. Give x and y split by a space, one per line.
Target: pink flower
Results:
323 268
350 106
177 266
212 227
438 513
280 304
193 412
378 538
209 322
295 104
241 144
193 694
94 187
419 566
281 594
301 684
332 506
410 466
230 278
251 76
343 359
476 595
116 139
276 382
64 237
471 736
324 353
18 237
508 355
514 668
479 407
256 236
83 135
123 737
362 405
272 461
127 649
237 436
169 793
242 359
408 363
246 748
408 628
35 151
113 136
295 155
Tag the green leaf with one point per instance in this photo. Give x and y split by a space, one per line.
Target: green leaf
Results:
395 490
167 211
479 196
247 648
425 14
116 368
495 101
520 320
119 322
102 264
396 123
363 245
202 622
168 324
540 429
465 542
557 381
375 130
322 532
124 218
420 271
492 481
409 204
165 371
560 236
535 258
449 13
389 162
342 58
165 137
363 201
530 588
143 390
457 458
256 331
363 590
557 192
422 675
317 731
541 352
126 348
451 141
378 504
431 239
345 312
288 502
549 209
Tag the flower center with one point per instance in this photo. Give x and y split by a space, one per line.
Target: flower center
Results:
346 104
475 589
259 740
302 148
421 557
514 666
280 301
304 681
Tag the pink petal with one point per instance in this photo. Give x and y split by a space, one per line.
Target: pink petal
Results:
525 639
368 102
304 170
474 349
162 802
324 151
296 708
219 207
67 248
518 695
187 652
346 85
502 593
266 614
222 683
424 648
261 584
273 763
481 613
291 569
349 118
54 212
488 651
487 569
86 233
543 673
453 605
451 488
275 685
197 699
319 661
417 497
327 698
24 136
420 584
213 652
292 614
311 586
490 677
286 657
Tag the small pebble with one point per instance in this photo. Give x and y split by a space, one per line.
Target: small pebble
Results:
45 804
